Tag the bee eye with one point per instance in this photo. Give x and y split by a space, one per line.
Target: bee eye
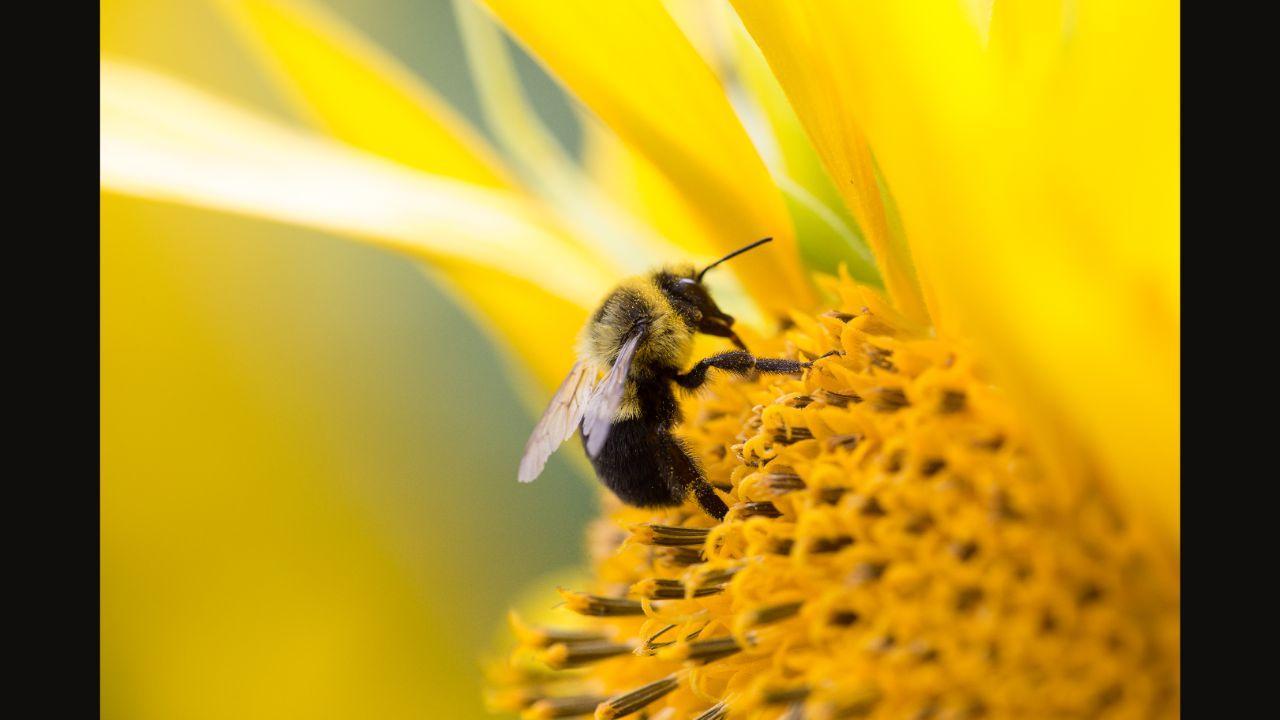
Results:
688 289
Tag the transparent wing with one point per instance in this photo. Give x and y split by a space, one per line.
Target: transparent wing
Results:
559 420
608 396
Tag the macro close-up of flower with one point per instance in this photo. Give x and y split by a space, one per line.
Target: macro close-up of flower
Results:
946 447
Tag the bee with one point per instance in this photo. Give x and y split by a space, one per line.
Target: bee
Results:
641 337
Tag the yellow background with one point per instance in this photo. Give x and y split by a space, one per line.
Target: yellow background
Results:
308 495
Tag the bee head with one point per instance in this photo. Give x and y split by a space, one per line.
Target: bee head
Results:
684 289
692 301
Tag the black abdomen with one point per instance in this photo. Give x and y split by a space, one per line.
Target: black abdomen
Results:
645 466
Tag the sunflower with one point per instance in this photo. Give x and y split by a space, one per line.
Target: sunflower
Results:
974 510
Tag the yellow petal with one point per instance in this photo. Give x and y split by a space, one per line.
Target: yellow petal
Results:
626 178
827 235
631 65
232 553
538 327
1039 168
362 96
807 53
163 141
549 172
632 181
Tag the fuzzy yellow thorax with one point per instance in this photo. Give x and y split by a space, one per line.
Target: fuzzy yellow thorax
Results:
669 340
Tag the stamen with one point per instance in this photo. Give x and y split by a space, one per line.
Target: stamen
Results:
827 545
923 651
919 524
665 589
792 435
706 582
835 399
772 613
953 401
683 555
597 606
882 643
668 535
1089 594
782 480
567 655
784 696
932 467
652 646
831 495
890 399
554 707
964 550
879 357
872 508
991 444
1004 509
866 572
719 711
843 618
627 703
1107 697
782 546
705 650
968 598
757 509
847 442
541 637
714 576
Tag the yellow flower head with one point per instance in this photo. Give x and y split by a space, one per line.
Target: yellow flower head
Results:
971 512
894 549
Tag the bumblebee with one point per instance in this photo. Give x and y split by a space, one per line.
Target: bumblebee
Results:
640 338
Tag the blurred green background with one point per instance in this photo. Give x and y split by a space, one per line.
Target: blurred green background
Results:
308 495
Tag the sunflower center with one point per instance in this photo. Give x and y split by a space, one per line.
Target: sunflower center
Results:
893 549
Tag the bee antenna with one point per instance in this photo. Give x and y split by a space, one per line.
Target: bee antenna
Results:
732 255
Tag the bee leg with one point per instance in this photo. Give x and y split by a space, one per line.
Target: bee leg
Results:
707 498
737 362
687 477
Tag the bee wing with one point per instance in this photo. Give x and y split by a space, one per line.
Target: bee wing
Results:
608 396
559 420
